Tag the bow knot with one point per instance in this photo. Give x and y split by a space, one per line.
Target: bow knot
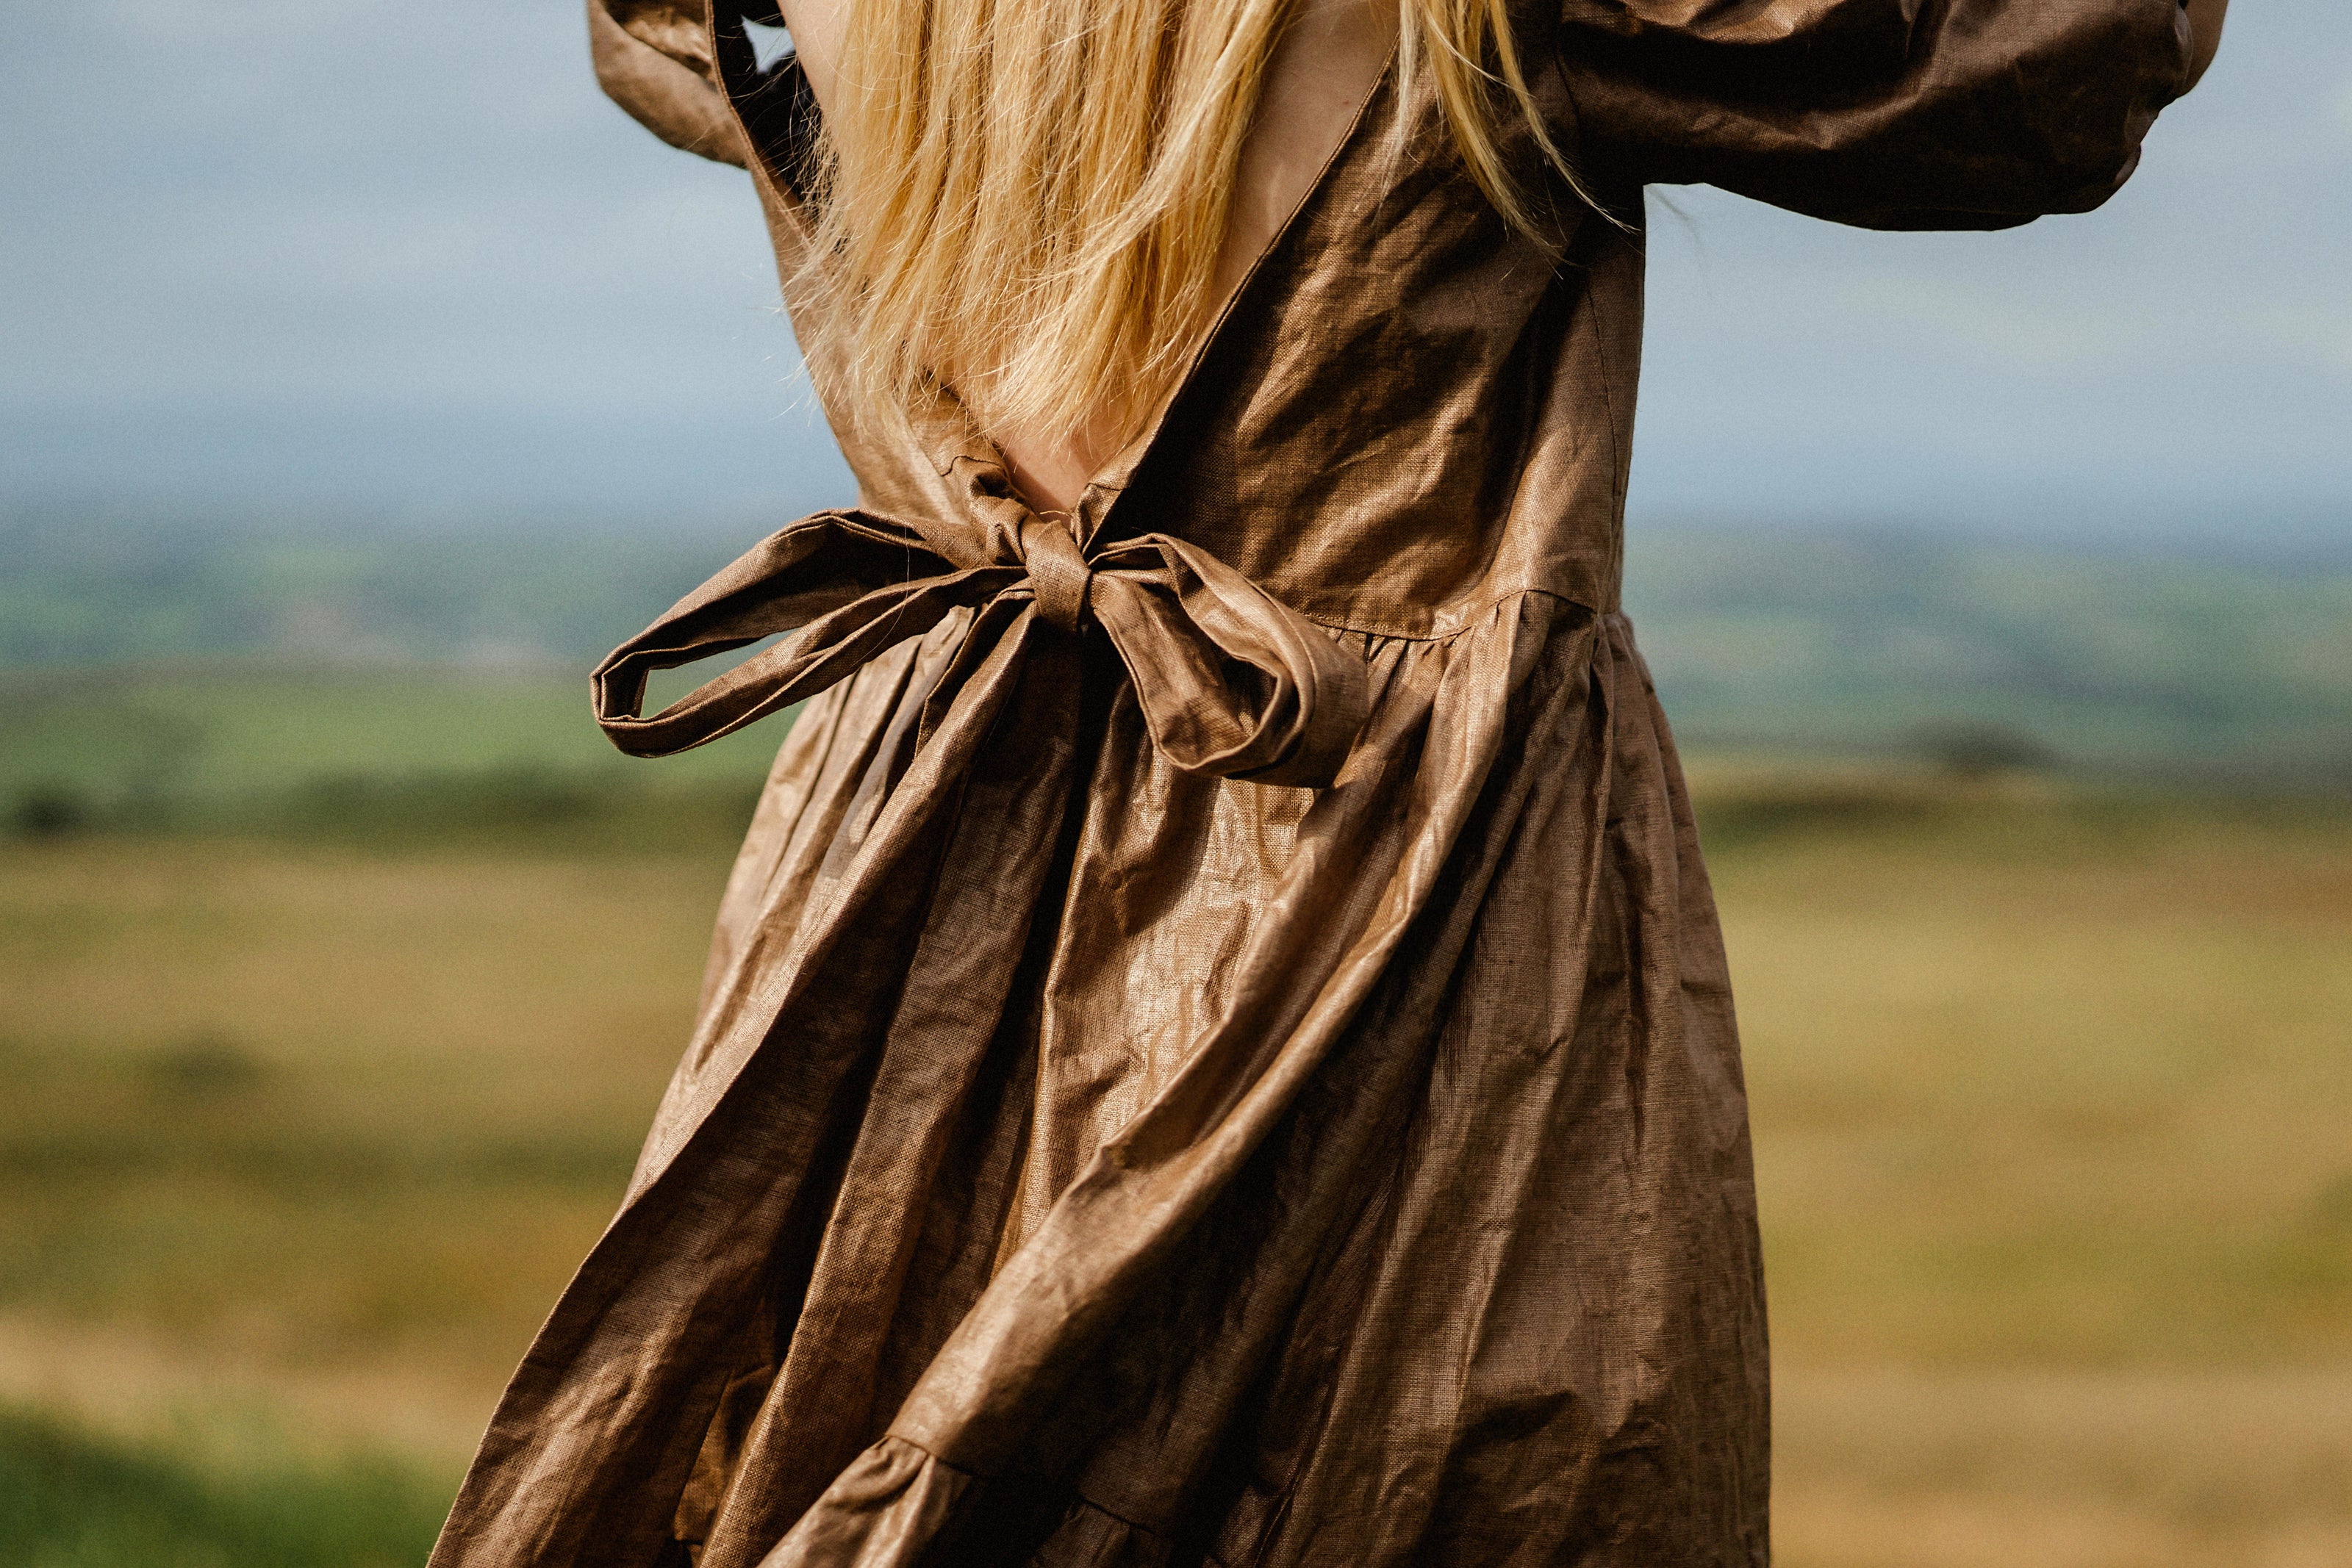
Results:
1232 682
1058 572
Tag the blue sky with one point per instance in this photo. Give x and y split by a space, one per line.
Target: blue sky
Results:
402 258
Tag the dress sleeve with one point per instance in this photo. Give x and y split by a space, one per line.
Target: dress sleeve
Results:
654 58
1895 114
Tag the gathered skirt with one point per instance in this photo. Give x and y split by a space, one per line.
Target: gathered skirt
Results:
1078 1162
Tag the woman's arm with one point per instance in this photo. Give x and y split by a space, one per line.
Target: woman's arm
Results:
2205 26
1964 114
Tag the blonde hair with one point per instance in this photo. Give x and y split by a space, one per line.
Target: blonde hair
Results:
1023 200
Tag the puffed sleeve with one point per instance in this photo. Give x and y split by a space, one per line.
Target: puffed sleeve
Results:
654 58
1895 114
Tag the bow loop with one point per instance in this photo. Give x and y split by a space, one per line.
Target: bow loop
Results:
1233 682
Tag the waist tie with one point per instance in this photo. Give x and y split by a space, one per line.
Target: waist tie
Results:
1232 682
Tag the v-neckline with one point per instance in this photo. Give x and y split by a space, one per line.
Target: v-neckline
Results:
802 118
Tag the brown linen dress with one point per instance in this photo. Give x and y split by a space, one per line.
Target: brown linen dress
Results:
1217 1047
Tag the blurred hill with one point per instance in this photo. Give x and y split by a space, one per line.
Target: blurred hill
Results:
155 658
2186 665
95 588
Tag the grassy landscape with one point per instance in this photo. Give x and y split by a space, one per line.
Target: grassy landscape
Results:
341 964
154 657
298 1138
67 1499
2202 668
267 740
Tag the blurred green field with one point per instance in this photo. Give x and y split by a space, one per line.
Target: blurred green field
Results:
300 1134
150 652
255 738
69 1500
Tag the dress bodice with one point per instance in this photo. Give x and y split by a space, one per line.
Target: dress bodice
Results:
1409 412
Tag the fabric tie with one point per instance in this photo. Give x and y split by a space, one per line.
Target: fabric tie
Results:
1058 573
1232 682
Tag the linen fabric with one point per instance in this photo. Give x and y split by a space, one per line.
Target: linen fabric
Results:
1217 1047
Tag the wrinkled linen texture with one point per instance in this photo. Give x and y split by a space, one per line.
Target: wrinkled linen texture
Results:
1217 1047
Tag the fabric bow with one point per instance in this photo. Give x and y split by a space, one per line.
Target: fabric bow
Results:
1232 682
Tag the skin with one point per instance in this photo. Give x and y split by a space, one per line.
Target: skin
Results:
1331 53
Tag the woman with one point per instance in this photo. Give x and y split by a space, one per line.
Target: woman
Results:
1217 1047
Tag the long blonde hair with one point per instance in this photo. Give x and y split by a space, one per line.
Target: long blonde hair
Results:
1022 201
